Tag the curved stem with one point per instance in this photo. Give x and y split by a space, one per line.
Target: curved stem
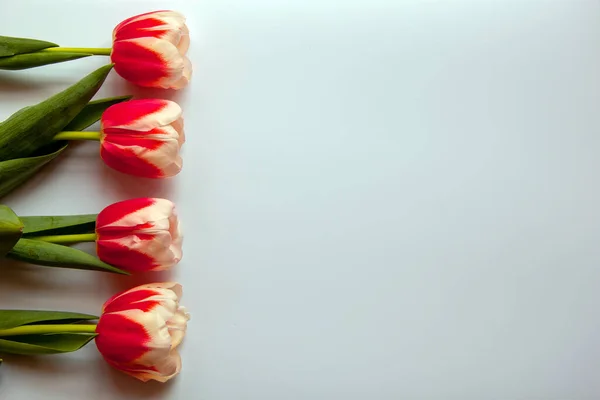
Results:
98 51
77 135
43 329
61 239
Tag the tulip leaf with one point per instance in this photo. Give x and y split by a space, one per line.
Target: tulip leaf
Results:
11 228
37 59
15 172
92 112
54 255
34 127
9 46
14 318
45 344
59 225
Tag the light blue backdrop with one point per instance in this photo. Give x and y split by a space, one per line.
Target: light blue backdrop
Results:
381 200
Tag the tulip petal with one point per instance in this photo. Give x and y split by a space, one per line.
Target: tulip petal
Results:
115 214
135 213
167 25
121 339
178 126
128 161
148 290
184 41
141 115
139 64
177 326
186 76
165 368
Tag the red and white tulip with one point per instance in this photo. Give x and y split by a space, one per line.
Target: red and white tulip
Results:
143 137
149 50
139 331
139 235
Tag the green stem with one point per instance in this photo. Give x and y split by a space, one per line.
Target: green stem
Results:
44 329
59 239
77 135
98 51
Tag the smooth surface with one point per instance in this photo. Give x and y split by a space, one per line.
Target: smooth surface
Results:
381 200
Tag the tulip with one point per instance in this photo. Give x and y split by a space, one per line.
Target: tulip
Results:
149 50
139 235
139 331
139 137
143 138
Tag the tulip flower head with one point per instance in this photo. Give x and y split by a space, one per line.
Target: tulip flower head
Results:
149 50
139 331
143 138
139 235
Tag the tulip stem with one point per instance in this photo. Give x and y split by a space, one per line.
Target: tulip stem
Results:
77 135
97 51
61 239
44 329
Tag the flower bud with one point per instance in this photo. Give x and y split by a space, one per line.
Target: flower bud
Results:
149 50
143 138
139 235
139 331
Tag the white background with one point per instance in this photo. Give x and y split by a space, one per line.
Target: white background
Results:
381 200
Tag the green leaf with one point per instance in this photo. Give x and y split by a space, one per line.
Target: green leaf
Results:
9 46
34 127
14 318
92 112
15 172
59 225
45 344
10 229
54 255
37 59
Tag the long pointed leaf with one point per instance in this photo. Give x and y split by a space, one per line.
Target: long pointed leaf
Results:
54 255
58 225
13 318
9 46
37 59
15 172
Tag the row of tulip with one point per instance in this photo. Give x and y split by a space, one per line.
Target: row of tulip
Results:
139 330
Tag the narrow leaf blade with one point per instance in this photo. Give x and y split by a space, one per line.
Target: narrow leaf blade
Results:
11 228
54 255
14 318
92 112
15 172
59 225
45 344
37 59
9 46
